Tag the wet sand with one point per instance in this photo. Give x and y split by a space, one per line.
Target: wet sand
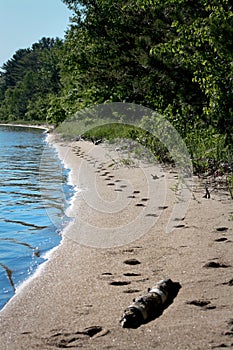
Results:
123 211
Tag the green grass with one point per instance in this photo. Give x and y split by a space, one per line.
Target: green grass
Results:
209 152
207 149
230 184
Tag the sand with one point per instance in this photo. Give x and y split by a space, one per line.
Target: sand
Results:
122 212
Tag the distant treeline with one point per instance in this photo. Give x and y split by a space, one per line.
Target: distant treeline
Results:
174 57
29 80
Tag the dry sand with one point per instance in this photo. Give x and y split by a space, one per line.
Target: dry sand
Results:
73 291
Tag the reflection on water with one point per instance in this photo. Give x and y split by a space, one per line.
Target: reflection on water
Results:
34 196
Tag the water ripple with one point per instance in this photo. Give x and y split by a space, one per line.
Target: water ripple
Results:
32 205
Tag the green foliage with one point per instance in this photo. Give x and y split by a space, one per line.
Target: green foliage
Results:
230 185
174 57
208 150
28 80
200 41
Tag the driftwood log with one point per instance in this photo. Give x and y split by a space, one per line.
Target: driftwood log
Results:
151 305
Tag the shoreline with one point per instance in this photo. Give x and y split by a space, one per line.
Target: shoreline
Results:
84 285
47 255
42 127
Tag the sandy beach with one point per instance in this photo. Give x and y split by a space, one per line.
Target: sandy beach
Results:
124 211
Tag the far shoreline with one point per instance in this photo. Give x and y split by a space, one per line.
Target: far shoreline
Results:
42 127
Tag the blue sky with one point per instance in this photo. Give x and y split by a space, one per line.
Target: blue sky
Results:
24 22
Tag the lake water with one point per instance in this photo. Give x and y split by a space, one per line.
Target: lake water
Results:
35 193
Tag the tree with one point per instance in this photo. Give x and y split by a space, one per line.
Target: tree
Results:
29 79
199 39
172 56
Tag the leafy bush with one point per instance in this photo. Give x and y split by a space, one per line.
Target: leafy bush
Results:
208 150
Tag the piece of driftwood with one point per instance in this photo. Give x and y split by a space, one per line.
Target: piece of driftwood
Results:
151 305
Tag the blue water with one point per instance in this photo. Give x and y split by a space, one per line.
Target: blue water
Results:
34 194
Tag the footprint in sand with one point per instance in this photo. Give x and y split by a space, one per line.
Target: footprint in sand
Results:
143 280
153 215
221 239
179 219
229 283
131 274
222 229
132 262
227 333
141 204
222 345
131 291
73 340
119 283
214 264
83 310
131 250
204 304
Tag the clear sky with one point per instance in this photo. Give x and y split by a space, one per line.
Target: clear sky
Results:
25 22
